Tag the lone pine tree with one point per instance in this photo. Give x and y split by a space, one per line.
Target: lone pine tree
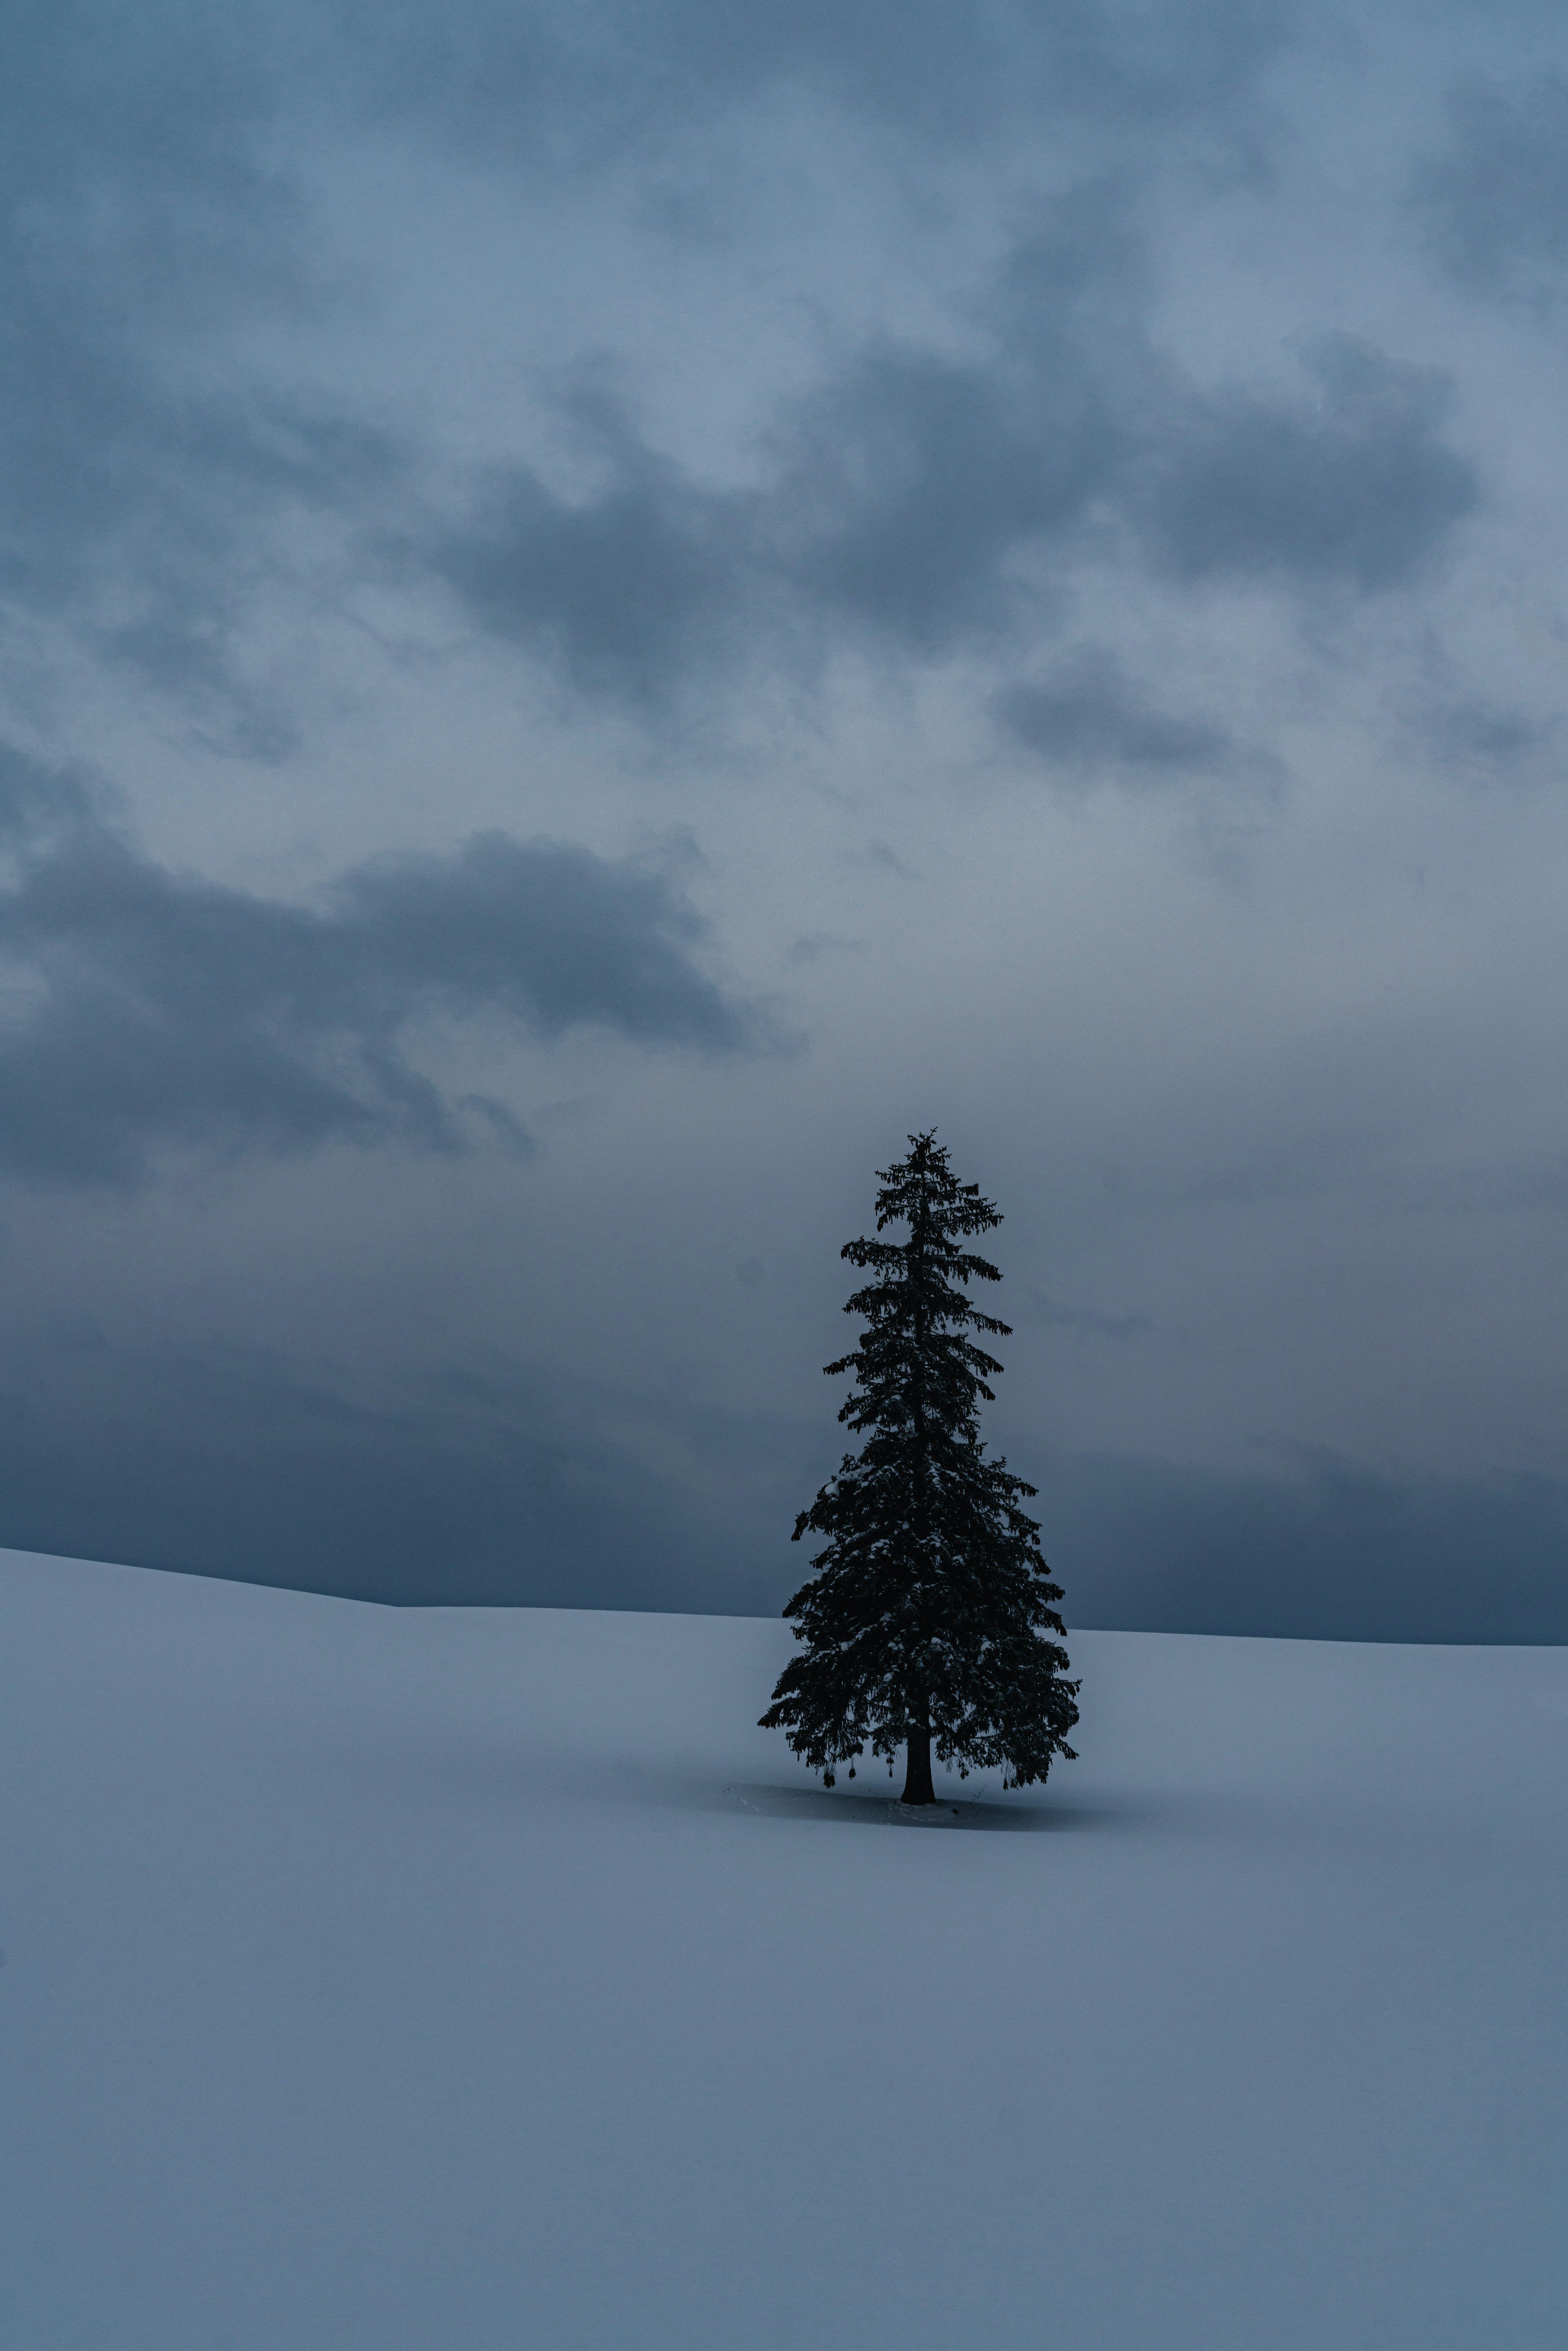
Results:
929 1611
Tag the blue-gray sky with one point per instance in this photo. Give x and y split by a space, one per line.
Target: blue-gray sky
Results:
603 610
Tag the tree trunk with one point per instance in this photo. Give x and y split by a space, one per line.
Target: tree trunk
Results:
917 1787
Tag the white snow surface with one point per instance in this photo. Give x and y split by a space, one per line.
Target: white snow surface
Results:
470 1979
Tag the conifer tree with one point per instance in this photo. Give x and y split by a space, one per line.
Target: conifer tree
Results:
929 1614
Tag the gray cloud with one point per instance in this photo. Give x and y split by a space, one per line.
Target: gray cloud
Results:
554 87
143 203
236 456
903 491
156 1009
1354 490
915 481
915 496
499 1482
816 944
632 591
1089 716
1495 737
147 517
1330 1550
137 212
1082 1321
484 1483
906 487
1495 198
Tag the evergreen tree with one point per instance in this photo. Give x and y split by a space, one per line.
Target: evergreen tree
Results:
929 1611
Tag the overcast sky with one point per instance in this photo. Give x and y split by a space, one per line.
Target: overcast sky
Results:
604 609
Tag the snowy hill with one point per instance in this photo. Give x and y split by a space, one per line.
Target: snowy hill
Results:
470 1980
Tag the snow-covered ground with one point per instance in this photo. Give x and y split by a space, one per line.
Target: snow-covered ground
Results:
452 1981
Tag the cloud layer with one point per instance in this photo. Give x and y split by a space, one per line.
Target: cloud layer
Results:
931 505
158 503
1495 192
152 1009
1063 501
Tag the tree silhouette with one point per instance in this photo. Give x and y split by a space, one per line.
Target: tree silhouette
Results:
929 1614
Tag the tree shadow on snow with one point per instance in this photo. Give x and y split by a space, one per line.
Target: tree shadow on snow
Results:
844 1811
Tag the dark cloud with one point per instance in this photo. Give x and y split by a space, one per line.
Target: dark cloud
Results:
1330 1550
558 86
905 489
925 502
816 944
1495 198
951 70
631 591
903 492
39 804
143 498
144 200
149 517
1088 715
482 1484
1356 489
880 857
1082 1321
918 499
130 149
157 1009
1494 736
497 1482
179 500
916 482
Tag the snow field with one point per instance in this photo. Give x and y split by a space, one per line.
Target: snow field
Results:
464 1980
